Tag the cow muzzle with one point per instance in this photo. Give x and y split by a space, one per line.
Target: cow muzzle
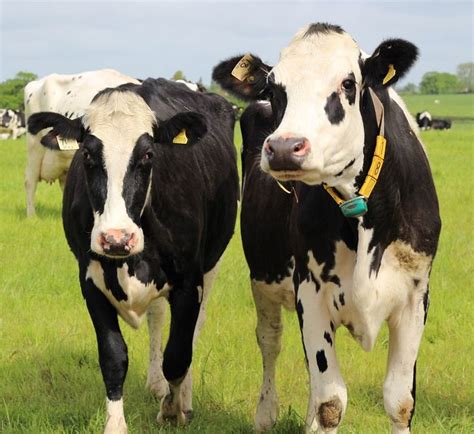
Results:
285 153
117 242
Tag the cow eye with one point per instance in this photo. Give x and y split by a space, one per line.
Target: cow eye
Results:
147 156
86 155
348 85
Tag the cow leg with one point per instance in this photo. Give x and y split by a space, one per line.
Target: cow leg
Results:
156 316
62 181
184 305
113 357
32 174
269 330
187 385
405 332
328 395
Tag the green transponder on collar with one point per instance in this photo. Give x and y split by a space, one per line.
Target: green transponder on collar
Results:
355 207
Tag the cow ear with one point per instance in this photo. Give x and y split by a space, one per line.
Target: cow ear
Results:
185 128
391 60
244 76
67 129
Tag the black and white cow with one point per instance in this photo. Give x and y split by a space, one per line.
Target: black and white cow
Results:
69 95
441 124
426 122
14 120
149 206
327 105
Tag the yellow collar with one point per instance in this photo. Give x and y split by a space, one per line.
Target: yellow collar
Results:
357 206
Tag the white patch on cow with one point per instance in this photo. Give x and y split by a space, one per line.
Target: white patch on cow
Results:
70 94
115 423
118 119
189 85
139 295
312 68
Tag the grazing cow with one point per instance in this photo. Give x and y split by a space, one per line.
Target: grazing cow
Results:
68 95
149 206
14 120
346 246
426 122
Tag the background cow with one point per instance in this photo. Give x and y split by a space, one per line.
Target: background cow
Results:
426 122
149 206
333 135
14 120
68 95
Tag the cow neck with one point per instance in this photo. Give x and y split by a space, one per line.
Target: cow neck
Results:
357 206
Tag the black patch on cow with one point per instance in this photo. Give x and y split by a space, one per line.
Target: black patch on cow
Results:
68 92
413 395
426 304
341 299
416 282
322 28
335 303
346 167
141 270
111 280
315 281
334 109
321 361
96 175
300 311
331 324
328 338
137 177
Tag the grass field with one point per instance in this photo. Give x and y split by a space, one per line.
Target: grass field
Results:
49 375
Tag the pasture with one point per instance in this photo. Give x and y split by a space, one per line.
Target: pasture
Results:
49 375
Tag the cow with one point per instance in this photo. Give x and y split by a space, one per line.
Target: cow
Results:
426 122
149 207
68 95
340 217
13 120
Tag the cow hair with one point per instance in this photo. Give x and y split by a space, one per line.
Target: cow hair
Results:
62 126
322 28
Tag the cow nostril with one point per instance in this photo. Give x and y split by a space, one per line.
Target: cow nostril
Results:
298 147
301 148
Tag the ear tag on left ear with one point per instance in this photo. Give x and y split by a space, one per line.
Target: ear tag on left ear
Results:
390 74
241 70
67 144
181 138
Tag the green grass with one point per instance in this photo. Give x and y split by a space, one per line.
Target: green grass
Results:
456 107
49 375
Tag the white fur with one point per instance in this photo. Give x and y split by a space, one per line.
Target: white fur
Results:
115 423
61 94
118 120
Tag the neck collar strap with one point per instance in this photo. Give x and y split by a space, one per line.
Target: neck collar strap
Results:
357 206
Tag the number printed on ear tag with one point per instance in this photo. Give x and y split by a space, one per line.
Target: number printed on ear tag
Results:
67 144
241 70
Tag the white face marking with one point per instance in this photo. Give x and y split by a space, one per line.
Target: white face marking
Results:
311 69
118 120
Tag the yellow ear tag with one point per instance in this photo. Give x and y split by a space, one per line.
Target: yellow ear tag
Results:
67 144
181 138
241 70
390 74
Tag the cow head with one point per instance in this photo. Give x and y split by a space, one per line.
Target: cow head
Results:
118 138
315 90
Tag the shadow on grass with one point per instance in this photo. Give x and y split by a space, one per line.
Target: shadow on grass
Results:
43 212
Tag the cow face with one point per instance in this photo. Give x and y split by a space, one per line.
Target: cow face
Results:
315 91
118 136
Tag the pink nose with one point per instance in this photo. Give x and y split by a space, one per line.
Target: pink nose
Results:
286 152
117 242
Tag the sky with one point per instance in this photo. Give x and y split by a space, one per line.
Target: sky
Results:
155 38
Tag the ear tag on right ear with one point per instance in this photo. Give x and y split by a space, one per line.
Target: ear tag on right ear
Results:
390 74
241 70
181 138
67 144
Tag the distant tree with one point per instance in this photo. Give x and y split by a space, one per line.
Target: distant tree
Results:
465 72
178 75
11 91
439 82
409 88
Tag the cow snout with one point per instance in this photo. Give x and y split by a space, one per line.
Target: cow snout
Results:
117 242
286 153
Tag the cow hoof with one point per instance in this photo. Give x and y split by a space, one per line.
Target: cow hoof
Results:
170 412
267 413
115 425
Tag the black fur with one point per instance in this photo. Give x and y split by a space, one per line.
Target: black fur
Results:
324 28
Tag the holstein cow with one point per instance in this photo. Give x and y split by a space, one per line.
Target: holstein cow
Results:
426 122
68 95
355 238
149 206
14 120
